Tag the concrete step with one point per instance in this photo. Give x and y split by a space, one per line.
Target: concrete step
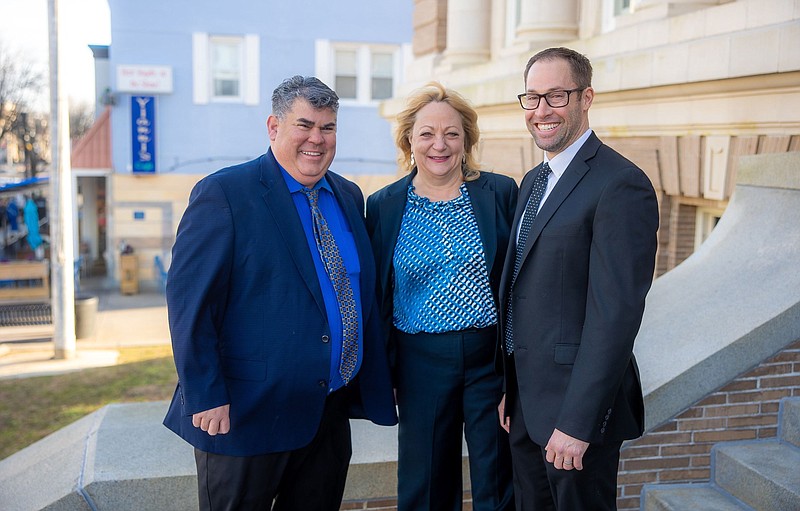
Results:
762 474
682 497
789 425
122 458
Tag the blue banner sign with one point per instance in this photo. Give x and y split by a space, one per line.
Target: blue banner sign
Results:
143 130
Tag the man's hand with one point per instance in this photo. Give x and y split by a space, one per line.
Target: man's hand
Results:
565 452
505 422
214 421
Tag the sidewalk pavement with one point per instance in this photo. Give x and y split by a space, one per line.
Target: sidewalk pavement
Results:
121 321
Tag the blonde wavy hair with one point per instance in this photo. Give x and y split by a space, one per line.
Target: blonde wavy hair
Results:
436 92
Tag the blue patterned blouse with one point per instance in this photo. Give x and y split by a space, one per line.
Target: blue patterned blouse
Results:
441 283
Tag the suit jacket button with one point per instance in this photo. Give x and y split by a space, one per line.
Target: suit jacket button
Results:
325 338
322 383
602 430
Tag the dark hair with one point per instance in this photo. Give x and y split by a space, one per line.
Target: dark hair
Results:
435 92
308 88
579 64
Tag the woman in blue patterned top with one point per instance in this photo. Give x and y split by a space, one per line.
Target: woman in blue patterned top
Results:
440 236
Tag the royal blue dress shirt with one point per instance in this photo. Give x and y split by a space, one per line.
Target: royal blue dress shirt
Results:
339 227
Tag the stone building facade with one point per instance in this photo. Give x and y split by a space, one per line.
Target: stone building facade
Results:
683 88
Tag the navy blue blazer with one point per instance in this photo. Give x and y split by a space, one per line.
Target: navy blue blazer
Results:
247 317
579 298
494 199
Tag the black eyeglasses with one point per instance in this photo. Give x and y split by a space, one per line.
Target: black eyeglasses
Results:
556 98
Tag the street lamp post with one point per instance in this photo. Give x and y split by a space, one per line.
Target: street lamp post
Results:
62 245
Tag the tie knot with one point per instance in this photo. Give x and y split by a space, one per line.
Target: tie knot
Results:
312 195
545 170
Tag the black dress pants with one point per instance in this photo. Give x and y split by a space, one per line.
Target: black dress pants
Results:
539 486
447 389
311 478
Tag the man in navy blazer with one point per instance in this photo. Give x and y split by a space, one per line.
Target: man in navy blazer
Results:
255 323
574 298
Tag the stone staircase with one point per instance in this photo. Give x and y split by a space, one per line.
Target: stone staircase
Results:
761 475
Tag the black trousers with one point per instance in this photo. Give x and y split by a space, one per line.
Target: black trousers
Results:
311 478
538 486
446 388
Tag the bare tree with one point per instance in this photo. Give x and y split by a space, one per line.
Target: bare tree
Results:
31 131
81 118
20 83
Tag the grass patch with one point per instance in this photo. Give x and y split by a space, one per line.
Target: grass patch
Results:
32 408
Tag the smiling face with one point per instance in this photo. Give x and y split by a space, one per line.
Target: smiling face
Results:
304 142
437 141
554 129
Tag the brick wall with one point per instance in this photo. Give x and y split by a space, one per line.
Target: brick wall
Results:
675 233
391 504
662 254
372 505
681 225
678 451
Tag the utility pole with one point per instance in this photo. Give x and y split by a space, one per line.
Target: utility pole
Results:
62 245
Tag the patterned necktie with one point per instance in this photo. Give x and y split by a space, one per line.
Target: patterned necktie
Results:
528 216
334 266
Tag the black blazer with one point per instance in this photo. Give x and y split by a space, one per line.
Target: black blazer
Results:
494 199
579 297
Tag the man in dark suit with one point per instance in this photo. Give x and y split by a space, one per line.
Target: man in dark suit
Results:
579 264
275 327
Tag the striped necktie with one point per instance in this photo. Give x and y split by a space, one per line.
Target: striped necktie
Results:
334 266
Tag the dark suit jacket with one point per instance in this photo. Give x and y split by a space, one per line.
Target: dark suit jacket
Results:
493 198
579 297
248 320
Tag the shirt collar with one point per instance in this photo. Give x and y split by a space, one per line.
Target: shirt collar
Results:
424 202
294 186
562 160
